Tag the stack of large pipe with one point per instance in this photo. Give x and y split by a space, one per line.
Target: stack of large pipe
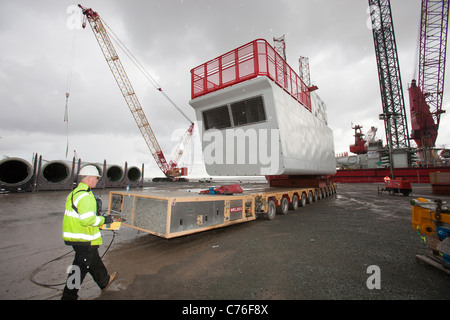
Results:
115 177
55 175
134 177
18 175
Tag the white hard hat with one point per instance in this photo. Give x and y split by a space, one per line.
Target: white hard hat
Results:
89 171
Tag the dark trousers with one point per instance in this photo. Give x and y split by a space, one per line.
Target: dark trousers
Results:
87 260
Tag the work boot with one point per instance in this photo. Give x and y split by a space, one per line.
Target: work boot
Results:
111 279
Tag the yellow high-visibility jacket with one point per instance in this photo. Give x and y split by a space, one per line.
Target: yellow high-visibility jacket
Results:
81 222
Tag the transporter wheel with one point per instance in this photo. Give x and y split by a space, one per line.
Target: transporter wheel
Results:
316 196
271 210
310 198
283 208
294 204
406 192
303 200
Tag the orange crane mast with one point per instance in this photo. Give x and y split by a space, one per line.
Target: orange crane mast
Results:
171 169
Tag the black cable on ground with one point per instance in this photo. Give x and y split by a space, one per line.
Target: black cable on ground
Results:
51 286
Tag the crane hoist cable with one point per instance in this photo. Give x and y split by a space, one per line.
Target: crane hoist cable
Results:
415 70
141 68
68 85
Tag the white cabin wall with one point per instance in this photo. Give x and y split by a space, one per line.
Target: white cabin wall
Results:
305 144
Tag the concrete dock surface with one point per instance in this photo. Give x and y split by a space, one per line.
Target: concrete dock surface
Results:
324 251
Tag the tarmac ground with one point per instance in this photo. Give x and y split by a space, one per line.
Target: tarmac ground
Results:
330 250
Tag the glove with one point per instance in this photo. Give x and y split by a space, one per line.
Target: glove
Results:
108 220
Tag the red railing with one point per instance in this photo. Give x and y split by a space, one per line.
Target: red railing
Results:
256 58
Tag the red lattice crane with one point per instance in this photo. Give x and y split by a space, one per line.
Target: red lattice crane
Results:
426 94
170 169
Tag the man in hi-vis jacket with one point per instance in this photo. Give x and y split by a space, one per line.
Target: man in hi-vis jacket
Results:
81 231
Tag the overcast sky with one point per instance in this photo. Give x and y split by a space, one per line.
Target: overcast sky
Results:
170 37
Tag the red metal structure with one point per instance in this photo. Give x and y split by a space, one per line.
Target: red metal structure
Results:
360 143
397 185
256 58
425 96
377 175
171 169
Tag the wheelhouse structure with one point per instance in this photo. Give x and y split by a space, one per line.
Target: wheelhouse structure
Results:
257 117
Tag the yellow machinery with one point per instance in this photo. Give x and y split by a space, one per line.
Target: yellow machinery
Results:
431 219
115 225
428 215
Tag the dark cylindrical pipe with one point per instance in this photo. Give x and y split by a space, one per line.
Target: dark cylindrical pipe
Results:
15 171
134 174
56 171
114 173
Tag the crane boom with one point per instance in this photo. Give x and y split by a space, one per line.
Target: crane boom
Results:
180 149
118 71
426 94
394 113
